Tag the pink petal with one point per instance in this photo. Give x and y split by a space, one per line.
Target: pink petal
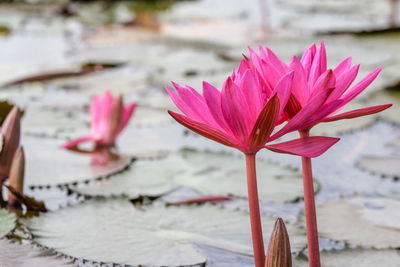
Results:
298 121
360 86
77 141
265 124
309 147
127 114
236 111
213 100
283 89
307 59
322 113
358 113
250 89
195 103
318 65
342 67
325 81
204 130
343 82
299 88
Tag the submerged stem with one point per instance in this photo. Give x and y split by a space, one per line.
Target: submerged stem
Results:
255 219
309 206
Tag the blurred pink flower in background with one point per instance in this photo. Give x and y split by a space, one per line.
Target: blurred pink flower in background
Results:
108 117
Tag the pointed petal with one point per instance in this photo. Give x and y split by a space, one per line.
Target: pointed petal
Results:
343 82
213 100
318 65
325 81
322 113
358 113
309 147
265 124
10 131
203 129
77 141
298 121
251 90
236 111
127 114
283 89
342 67
360 86
299 87
292 107
307 59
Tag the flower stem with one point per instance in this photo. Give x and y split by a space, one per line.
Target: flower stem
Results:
255 219
309 205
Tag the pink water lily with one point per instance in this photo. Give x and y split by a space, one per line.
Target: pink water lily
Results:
243 115
108 117
318 94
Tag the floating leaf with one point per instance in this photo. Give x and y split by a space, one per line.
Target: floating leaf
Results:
356 258
387 166
7 222
361 221
12 254
48 164
149 235
208 172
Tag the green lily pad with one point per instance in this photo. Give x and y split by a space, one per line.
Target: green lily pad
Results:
361 221
208 172
48 164
356 258
7 222
149 235
12 254
387 166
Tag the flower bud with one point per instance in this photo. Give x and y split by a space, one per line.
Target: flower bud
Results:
279 254
10 131
16 178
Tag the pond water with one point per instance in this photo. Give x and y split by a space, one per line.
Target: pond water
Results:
55 55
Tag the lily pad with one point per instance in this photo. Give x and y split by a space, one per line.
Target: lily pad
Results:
149 235
361 221
12 254
48 164
208 172
387 166
356 258
7 222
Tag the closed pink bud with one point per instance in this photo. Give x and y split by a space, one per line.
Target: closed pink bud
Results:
279 254
16 178
10 131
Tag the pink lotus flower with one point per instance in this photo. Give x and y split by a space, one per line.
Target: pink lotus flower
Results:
243 115
318 93
108 117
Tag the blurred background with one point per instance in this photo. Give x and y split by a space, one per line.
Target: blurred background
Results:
55 55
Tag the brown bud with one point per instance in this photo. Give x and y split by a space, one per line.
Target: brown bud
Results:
16 178
117 110
279 254
10 131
